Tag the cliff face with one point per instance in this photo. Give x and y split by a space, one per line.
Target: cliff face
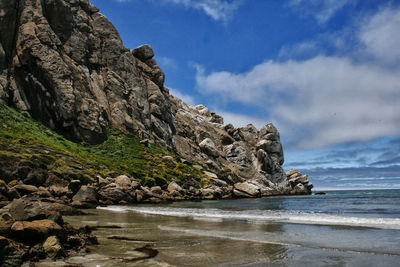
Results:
64 63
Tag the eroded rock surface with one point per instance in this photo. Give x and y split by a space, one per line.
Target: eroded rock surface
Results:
64 63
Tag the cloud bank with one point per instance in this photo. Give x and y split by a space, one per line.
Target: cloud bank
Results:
330 99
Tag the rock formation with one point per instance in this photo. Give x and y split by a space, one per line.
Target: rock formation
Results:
64 63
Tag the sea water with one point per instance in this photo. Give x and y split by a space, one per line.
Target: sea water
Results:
341 228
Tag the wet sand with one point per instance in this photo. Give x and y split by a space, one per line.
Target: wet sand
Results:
134 239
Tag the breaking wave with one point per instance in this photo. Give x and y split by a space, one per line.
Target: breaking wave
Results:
262 216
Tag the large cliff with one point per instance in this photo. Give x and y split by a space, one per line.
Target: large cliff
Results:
64 63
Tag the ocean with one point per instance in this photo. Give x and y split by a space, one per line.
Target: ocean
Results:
341 228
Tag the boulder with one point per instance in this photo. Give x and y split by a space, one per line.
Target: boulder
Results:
36 177
156 190
174 189
300 189
147 192
248 188
123 181
58 191
135 185
32 208
101 181
114 194
291 172
208 193
74 186
13 193
24 189
143 52
23 210
34 231
86 197
208 147
240 194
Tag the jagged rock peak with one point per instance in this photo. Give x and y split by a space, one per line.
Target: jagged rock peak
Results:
64 63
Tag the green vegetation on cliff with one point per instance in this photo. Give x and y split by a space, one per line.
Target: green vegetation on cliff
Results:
32 151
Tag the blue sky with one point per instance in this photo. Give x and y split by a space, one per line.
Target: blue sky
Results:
325 72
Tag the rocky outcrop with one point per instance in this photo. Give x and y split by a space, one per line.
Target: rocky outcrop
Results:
253 156
299 182
64 63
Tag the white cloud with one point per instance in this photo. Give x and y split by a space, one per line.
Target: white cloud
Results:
321 10
381 36
185 97
167 63
327 99
219 10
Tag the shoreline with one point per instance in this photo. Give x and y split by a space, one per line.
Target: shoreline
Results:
38 212
214 240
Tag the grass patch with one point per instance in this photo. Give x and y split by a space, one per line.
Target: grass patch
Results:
26 145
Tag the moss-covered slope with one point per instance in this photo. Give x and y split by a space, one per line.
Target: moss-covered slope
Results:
33 153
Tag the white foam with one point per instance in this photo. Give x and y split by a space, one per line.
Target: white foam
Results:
262 216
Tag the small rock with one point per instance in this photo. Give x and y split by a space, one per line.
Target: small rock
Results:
219 182
210 174
145 142
212 165
184 161
169 158
52 247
